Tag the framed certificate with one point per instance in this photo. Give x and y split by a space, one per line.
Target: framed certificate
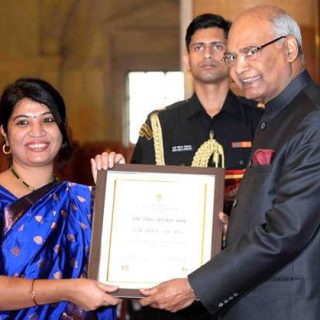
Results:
154 223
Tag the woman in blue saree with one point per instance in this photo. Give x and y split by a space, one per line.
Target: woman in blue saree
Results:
45 223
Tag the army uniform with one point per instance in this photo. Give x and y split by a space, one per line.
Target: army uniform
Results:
185 126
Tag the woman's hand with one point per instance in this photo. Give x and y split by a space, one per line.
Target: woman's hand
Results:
104 161
90 294
86 293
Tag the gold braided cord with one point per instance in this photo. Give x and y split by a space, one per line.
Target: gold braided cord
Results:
157 139
201 158
209 148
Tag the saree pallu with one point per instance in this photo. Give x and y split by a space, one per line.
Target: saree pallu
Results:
46 235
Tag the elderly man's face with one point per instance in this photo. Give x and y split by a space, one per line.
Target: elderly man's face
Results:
263 75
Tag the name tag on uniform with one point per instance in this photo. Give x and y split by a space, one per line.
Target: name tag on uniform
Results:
241 144
182 148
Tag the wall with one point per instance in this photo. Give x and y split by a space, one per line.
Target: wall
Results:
306 12
85 48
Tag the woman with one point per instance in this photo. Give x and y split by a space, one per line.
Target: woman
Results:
45 223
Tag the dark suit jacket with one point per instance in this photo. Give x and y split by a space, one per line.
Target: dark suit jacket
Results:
270 269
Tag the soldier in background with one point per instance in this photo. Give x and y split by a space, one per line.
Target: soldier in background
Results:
187 132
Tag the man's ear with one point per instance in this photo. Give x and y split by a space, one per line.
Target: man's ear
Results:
186 62
292 48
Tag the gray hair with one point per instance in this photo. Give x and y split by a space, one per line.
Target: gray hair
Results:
285 25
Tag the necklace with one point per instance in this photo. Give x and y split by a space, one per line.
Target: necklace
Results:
21 180
26 184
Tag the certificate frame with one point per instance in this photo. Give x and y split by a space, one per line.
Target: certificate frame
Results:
110 226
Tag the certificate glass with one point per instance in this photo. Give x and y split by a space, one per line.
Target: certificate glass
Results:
152 224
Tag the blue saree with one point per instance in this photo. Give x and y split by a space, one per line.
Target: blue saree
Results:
46 235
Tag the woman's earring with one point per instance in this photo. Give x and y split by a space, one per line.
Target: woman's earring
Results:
6 149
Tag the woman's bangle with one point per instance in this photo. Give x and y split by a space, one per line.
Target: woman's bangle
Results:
32 292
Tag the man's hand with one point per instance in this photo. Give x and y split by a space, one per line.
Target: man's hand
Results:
224 218
172 295
104 161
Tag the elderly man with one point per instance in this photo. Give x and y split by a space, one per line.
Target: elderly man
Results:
270 268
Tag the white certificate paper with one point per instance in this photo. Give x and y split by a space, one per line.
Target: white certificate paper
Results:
156 226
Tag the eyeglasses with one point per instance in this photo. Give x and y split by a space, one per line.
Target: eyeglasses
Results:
249 53
217 46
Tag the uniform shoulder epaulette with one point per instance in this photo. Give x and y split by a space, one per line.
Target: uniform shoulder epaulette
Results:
176 105
145 131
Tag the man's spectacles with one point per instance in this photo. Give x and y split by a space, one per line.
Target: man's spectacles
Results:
217 46
249 53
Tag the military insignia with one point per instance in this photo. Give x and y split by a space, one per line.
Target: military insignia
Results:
182 148
209 148
145 132
241 144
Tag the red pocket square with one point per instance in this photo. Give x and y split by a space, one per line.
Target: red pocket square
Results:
262 157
